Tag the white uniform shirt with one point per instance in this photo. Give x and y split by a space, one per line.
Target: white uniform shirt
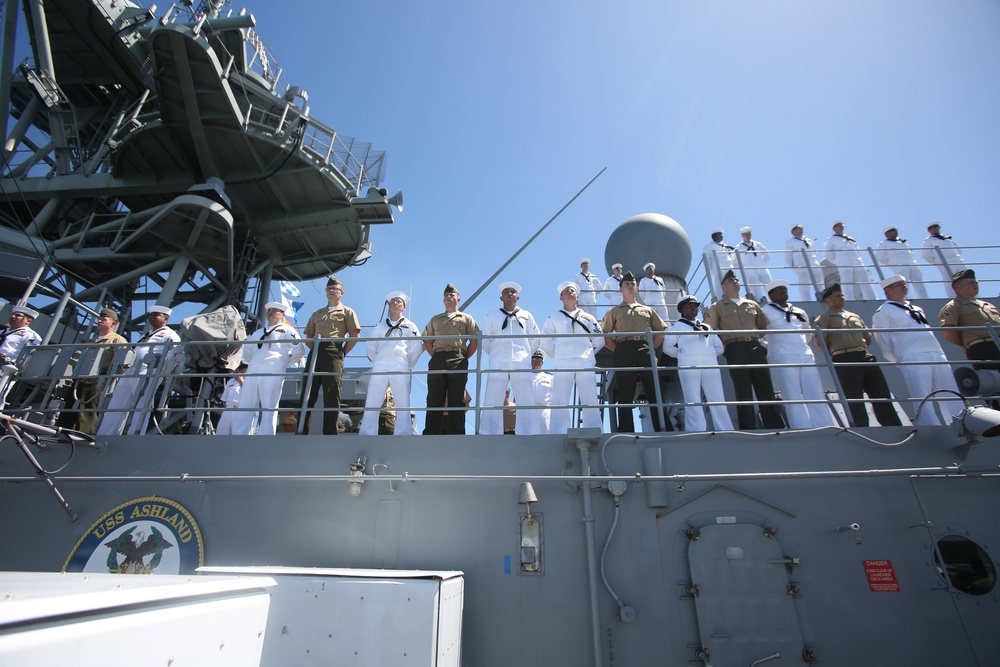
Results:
717 255
589 285
153 343
15 340
948 247
692 350
282 354
612 289
541 384
754 254
843 250
577 321
651 291
510 338
795 246
790 318
894 253
896 345
231 394
398 347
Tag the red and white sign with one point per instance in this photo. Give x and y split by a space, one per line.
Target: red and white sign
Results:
881 576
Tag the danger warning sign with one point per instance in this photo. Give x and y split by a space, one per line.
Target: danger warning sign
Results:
881 576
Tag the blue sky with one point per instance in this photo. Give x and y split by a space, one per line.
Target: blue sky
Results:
715 113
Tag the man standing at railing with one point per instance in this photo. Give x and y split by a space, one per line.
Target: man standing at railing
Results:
613 284
855 366
134 391
337 327
799 382
896 257
843 251
510 335
541 384
801 258
589 285
917 344
448 368
81 414
942 251
653 292
393 354
734 313
718 258
16 336
573 359
754 258
632 351
965 310
273 348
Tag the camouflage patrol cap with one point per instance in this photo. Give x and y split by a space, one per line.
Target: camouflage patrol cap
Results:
829 291
110 314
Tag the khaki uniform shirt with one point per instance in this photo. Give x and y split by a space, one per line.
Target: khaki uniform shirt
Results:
634 318
334 322
458 324
961 312
843 341
739 315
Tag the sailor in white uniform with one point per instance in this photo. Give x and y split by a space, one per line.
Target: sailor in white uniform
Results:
541 383
796 383
843 251
14 338
510 336
896 257
754 257
612 286
134 391
268 353
231 399
653 292
695 354
917 344
718 258
801 258
942 252
393 356
573 359
589 285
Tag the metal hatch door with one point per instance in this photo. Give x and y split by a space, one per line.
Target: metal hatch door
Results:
744 608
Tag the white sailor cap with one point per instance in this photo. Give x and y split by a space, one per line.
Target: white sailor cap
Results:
774 284
567 284
511 285
161 309
616 265
891 280
25 310
890 228
797 225
398 295
933 223
717 230
835 223
275 305
649 265
746 230
585 260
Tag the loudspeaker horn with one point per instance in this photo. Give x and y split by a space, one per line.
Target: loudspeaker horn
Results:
396 200
977 383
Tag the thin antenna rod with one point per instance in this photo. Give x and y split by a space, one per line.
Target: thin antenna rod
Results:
479 291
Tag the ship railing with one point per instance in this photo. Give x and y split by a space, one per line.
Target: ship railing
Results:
822 271
177 399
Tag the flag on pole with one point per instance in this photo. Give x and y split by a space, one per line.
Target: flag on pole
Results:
288 293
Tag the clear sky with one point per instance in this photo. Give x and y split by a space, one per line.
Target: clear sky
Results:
713 112
716 113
